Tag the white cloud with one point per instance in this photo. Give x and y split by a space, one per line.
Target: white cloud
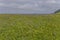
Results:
51 1
40 2
1 0
20 6
2 4
29 4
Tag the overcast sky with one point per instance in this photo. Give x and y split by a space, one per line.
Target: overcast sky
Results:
29 6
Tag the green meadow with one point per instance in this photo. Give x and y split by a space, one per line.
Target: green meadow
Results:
29 27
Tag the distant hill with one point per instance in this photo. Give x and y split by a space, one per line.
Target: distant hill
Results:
57 11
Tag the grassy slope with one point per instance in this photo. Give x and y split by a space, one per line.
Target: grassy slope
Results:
30 27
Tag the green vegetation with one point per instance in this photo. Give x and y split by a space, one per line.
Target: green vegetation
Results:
30 27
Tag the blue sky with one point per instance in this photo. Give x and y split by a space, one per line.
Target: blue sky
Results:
29 6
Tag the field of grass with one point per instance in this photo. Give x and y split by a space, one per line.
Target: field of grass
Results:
30 27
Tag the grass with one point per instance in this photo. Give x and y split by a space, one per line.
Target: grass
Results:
30 27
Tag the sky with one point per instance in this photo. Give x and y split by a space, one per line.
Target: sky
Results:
29 6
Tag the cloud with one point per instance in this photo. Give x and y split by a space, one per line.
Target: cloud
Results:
51 1
35 5
2 4
1 0
27 6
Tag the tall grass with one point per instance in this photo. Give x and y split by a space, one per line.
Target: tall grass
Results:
30 27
